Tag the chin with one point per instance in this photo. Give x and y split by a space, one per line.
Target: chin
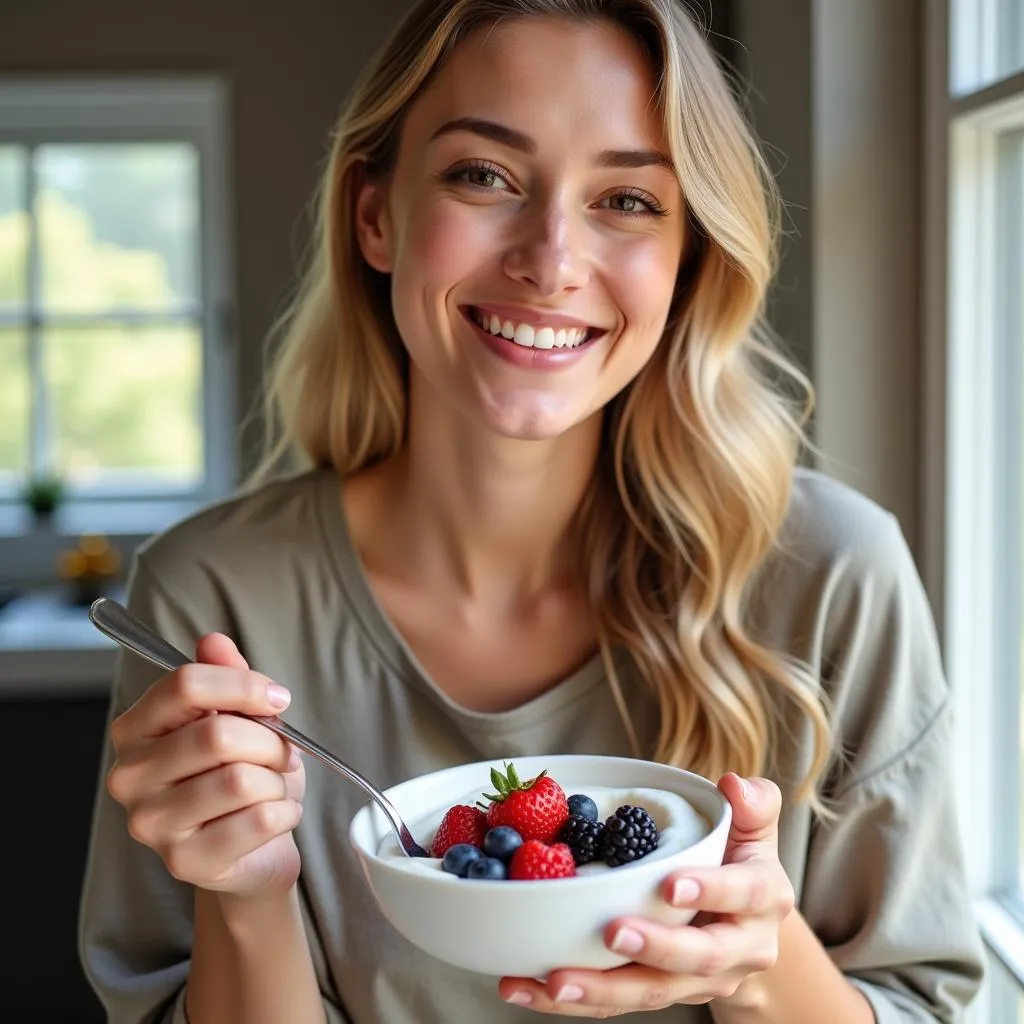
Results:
529 424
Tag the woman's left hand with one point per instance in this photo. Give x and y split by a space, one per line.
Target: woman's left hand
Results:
734 936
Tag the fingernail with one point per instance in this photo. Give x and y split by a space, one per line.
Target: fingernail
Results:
294 760
627 941
748 791
278 696
520 997
685 891
569 994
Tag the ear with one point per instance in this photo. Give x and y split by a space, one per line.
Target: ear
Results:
373 224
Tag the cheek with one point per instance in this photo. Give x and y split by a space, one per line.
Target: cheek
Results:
645 272
443 244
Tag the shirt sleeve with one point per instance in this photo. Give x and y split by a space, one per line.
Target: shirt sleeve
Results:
885 887
135 919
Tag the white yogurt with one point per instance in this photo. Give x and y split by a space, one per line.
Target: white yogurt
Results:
680 826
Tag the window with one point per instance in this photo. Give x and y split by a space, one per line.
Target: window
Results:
115 308
974 319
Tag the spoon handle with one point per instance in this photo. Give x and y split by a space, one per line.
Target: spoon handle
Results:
132 633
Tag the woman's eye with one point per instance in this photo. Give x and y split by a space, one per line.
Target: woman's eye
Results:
633 205
483 177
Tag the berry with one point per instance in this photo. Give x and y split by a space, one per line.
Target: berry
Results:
489 868
502 842
458 859
583 837
583 805
629 834
535 860
461 824
536 809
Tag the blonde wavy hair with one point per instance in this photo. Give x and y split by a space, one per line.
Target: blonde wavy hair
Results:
675 526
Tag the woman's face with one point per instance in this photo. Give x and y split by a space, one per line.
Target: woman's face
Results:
532 227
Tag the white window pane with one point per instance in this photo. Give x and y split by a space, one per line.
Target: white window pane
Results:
13 227
126 405
986 42
14 406
119 226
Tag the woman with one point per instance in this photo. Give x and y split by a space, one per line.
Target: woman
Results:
550 506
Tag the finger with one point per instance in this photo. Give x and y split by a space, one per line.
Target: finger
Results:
756 805
713 951
195 748
752 886
211 855
218 649
192 692
176 813
596 994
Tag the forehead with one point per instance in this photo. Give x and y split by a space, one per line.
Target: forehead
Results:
556 79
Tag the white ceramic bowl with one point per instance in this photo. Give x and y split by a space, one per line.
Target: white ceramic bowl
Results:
528 929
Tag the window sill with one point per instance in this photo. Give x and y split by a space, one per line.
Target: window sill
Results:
112 518
1003 934
29 550
50 650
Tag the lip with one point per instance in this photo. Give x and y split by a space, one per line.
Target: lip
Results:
532 315
529 358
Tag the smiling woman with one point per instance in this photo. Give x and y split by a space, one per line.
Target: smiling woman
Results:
547 504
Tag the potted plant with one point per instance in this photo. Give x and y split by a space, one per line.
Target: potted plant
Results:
42 494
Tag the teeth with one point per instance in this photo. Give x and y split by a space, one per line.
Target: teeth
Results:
524 336
529 336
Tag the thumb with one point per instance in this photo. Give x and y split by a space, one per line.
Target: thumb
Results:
218 649
756 804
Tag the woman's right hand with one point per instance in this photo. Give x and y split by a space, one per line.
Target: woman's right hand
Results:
215 795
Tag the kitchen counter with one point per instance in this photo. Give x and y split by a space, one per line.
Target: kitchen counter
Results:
49 648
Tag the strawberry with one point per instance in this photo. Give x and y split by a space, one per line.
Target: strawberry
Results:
535 860
461 824
536 809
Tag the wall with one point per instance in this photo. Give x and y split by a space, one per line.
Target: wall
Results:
835 95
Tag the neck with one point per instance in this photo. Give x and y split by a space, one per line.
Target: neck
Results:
490 516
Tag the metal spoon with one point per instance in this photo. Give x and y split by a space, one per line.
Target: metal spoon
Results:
120 625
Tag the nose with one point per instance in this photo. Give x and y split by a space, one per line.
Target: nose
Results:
550 255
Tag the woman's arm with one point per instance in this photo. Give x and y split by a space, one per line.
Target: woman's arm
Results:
803 980
251 962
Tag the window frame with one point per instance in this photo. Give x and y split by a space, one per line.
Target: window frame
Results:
972 395
37 110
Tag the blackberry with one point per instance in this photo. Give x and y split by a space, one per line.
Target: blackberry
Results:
629 834
583 837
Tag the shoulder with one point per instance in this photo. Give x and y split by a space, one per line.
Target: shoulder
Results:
830 524
842 594
242 537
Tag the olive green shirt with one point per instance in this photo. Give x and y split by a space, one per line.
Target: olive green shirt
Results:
883 886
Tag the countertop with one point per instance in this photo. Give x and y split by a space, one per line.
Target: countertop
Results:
49 648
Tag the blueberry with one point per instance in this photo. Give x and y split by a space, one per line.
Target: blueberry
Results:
502 842
583 806
458 858
488 868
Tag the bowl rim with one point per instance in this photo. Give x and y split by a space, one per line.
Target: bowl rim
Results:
662 866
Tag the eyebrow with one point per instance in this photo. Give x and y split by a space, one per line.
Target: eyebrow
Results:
505 136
